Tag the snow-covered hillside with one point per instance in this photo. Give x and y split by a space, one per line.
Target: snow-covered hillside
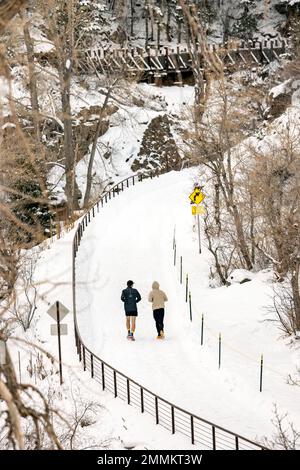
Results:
85 103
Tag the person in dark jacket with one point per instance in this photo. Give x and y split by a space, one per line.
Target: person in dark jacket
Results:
130 297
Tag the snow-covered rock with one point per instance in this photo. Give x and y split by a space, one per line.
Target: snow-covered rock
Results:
240 276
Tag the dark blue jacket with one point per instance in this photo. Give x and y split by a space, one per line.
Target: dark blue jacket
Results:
130 297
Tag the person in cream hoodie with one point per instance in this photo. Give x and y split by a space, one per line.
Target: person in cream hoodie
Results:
158 299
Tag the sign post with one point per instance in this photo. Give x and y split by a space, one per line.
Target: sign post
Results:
58 311
197 197
59 343
199 236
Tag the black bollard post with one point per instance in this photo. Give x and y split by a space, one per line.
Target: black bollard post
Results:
220 341
261 372
180 269
186 287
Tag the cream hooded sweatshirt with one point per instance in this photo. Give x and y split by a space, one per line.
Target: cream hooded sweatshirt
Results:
157 297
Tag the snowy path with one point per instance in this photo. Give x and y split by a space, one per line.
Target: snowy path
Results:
115 424
131 238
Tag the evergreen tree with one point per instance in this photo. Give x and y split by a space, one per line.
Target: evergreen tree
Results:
29 204
91 30
246 24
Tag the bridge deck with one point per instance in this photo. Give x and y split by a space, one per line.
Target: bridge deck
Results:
163 61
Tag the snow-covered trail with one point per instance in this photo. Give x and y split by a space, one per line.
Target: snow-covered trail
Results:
131 238
136 244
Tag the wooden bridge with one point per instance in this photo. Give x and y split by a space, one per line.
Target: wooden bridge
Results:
155 64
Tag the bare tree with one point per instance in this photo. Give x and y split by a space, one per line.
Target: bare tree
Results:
9 259
108 95
117 92
275 187
284 307
24 401
8 9
286 436
60 23
82 416
205 63
216 143
20 402
32 73
24 305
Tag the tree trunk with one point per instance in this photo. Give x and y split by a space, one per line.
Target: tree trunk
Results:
32 80
168 23
241 238
146 26
226 185
179 32
151 22
94 147
252 225
217 208
158 35
199 92
226 23
69 154
131 19
214 252
296 292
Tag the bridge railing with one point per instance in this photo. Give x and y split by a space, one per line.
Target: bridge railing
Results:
201 432
278 44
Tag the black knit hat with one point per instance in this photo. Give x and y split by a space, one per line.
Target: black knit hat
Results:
130 283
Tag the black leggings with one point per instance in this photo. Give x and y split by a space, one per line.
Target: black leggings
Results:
159 319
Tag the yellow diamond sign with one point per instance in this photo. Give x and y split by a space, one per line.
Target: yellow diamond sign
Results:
197 196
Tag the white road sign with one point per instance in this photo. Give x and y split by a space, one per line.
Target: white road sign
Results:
52 311
63 329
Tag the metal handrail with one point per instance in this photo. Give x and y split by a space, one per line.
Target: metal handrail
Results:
94 361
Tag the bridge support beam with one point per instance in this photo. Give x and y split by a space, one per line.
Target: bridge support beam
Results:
158 79
179 78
